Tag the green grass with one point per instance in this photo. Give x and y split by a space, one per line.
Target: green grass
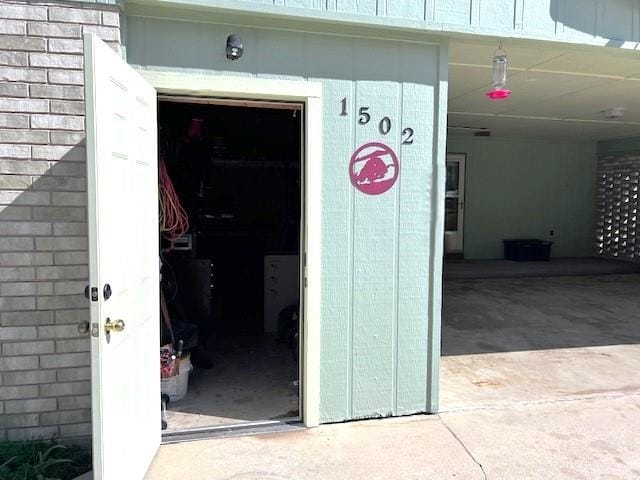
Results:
43 460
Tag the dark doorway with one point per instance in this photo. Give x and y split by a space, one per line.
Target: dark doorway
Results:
231 248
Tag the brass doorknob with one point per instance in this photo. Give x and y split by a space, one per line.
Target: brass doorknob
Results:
116 326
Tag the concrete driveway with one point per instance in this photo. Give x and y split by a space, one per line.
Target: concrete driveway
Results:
539 381
575 439
513 340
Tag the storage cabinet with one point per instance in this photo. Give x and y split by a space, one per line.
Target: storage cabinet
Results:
281 287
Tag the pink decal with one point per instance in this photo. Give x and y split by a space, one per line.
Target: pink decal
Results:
374 168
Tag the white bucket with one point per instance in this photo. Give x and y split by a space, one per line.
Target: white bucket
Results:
178 385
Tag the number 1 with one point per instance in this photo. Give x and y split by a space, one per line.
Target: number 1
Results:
344 107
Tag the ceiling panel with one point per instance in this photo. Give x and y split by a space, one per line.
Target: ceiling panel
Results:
527 88
478 53
589 88
539 85
558 130
605 63
467 79
587 104
477 102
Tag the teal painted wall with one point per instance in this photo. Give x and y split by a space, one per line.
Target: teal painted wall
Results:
519 188
595 22
380 264
620 145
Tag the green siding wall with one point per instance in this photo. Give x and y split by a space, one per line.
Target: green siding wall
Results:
524 189
619 146
378 253
614 23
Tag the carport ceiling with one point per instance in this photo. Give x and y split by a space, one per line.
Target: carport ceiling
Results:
558 94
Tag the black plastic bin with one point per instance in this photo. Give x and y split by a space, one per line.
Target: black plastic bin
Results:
527 250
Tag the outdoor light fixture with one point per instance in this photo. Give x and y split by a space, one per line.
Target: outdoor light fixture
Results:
499 89
235 48
613 113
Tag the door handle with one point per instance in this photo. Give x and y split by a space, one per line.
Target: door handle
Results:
116 326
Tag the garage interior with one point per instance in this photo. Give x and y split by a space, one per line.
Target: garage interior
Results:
230 214
556 162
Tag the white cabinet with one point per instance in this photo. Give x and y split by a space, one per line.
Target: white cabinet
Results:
281 287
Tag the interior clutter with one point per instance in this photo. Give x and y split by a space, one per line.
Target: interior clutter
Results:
230 214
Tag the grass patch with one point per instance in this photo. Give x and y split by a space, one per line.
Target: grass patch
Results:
43 460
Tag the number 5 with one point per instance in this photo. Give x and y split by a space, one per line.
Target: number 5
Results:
364 116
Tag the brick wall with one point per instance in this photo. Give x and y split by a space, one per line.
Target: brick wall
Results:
618 206
44 359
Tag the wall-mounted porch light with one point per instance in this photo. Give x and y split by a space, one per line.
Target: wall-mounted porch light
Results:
499 90
235 47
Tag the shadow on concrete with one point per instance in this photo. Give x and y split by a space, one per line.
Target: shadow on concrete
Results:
488 315
251 380
459 269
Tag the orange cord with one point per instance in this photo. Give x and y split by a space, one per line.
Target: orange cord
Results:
174 221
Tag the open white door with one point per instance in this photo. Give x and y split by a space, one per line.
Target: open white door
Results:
122 186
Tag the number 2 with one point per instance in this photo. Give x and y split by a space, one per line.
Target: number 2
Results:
409 133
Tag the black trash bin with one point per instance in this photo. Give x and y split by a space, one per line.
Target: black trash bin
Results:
527 250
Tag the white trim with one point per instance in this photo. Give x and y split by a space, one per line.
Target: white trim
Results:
91 142
313 287
232 102
180 83
458 246
203 84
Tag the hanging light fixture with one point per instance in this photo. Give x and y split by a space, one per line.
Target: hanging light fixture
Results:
499 90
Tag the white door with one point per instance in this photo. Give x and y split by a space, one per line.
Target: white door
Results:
454 204
123 258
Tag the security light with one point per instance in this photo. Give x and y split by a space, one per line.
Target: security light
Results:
235 48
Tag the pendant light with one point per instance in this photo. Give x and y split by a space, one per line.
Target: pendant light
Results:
499 90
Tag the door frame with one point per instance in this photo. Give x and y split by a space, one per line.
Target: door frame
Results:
461 158
310 94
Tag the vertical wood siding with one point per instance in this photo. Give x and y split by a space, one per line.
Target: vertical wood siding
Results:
565 20
376 251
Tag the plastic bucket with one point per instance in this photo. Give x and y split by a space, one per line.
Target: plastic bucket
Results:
178 385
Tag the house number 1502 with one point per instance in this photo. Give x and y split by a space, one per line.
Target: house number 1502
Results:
384 126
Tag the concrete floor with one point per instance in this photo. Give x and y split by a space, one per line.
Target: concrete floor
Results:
519 340
539 379
249 381
577 440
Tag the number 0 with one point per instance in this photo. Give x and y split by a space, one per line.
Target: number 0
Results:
385 125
